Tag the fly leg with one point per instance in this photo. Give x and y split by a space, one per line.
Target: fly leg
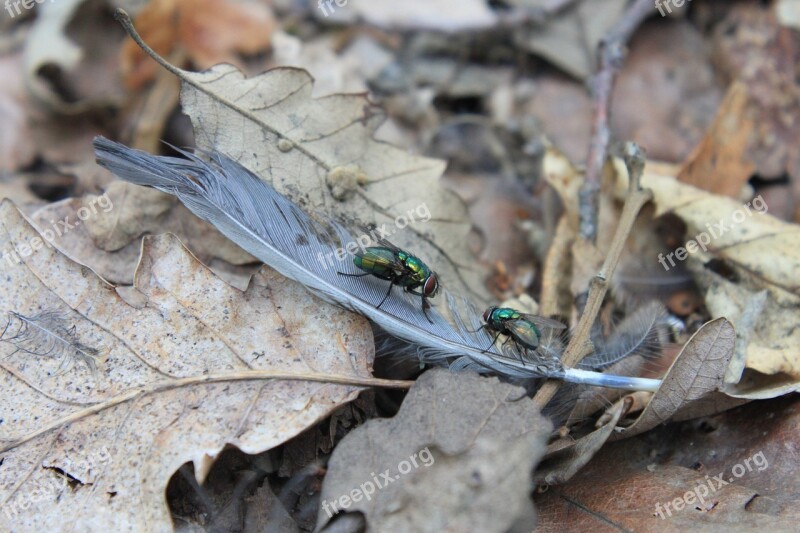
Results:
369 274
387 295
519 350
425 304
493 341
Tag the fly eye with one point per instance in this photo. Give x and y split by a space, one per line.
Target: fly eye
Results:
431 286
487 314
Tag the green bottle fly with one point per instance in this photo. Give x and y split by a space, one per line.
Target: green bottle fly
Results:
522 328
399 268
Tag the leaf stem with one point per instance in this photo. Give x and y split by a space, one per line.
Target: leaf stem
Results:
250 375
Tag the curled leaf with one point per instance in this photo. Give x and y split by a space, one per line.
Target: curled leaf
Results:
697 372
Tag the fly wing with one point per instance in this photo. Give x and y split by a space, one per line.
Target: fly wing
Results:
377 262
523 332
375 234
543 322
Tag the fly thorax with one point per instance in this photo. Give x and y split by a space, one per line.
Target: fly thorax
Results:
418 268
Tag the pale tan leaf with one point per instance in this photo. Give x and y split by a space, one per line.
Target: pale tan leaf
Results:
757 371
763 253
184 366
321 154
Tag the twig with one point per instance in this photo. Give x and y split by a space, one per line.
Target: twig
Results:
612 54
579 346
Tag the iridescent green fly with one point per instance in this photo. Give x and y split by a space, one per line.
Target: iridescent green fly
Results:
400 268
521 327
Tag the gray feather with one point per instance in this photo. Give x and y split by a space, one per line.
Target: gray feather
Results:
266 224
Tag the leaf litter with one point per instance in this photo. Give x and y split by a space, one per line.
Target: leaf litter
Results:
149 375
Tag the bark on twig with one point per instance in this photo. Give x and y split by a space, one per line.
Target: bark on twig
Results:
612 54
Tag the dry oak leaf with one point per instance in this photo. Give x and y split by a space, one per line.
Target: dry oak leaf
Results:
104 231
321 154
185 365
762 252
475 442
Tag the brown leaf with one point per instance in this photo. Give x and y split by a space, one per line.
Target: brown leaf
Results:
751 448
565 458
595 504
752 47
483 437
664 98
667 91
720 163
107 238
208 31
